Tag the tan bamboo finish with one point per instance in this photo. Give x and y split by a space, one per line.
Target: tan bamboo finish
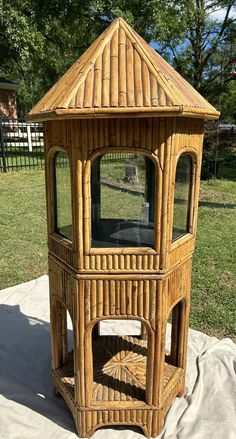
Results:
121 96
162 134
145 284
120 73
99 299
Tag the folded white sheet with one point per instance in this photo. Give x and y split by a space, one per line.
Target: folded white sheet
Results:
29 410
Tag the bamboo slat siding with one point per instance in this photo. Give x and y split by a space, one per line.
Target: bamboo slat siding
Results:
122 97
64 252
117 262
84 140
139 283
142 284
92 300
119 74
111 298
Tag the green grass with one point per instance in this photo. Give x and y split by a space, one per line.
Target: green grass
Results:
116 171
213 305
24 248
117 204
23 227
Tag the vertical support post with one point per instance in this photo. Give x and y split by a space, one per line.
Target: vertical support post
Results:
143 332
159 353
183 331
80 345
55 331
64 340
175 335
29 137
179 335
3 148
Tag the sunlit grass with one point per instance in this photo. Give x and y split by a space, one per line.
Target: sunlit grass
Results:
24 245
23 227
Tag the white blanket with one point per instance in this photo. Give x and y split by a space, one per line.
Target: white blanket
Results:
29 410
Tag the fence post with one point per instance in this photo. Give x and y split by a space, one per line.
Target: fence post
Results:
29 137
3 148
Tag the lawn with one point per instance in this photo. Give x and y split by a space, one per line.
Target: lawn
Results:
23 227
213 306
24 247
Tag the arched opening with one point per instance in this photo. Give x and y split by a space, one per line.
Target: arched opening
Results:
116 425
63 343
120 361
183 198
119 327
175 333
62 195
123 200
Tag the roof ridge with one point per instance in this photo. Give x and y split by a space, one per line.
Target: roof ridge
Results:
154 69
181 78
81 74
101 42
155 54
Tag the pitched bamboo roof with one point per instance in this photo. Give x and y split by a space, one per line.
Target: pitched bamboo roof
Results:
121 75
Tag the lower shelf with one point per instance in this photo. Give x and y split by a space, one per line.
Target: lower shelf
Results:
119 371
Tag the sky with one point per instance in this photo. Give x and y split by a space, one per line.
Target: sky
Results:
219 14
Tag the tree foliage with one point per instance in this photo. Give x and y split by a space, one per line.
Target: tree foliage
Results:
39 40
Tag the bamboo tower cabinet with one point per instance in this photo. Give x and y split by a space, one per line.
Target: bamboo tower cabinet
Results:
123 146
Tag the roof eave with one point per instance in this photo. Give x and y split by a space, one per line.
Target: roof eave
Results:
114 112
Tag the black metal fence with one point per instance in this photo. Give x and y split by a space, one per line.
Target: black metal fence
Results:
219 151
21 145
117 157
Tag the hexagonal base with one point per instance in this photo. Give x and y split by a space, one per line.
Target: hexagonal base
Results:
119 387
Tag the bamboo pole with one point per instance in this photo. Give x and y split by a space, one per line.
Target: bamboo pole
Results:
123 136
93 299
146 84
101 133
143 132
129 298
140 298
146 300
106 76
135 298
165 192
97 82
114 69
122 68
122 298
154 91
137 80
79 103
88 92
118 132
106 284
130 74
117 300
100 297
81 343
112 294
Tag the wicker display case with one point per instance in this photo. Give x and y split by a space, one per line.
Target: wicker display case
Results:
123 149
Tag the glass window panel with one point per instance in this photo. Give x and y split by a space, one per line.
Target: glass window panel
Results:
182 200
123 201
63 196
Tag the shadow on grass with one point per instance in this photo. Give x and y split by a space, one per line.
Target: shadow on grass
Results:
217 205
209 204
